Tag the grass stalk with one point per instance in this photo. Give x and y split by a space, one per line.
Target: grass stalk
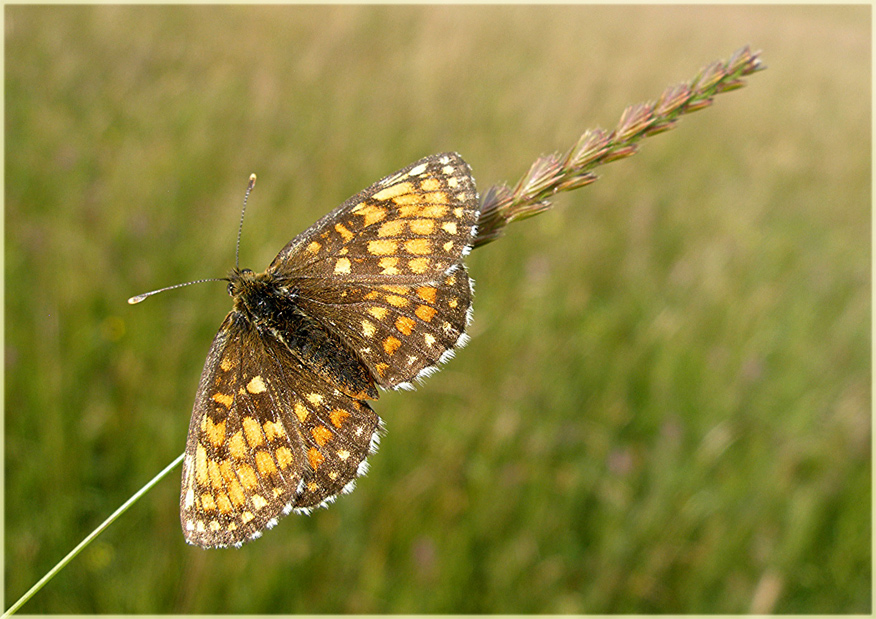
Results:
91 536
555 173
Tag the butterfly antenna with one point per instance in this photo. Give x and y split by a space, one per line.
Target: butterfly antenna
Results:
146 295
252 182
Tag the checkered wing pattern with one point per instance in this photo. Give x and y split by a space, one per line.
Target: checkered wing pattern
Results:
266 436
373 294
388 264
400 331
409 227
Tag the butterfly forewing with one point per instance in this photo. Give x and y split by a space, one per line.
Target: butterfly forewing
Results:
374 293
266 436
409 227
240 465
385 267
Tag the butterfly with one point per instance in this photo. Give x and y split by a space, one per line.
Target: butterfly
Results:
374 294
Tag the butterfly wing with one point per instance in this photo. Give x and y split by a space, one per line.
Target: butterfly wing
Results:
409 227
384 269
266 436
401 332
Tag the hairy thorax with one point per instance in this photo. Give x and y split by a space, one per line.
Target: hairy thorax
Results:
270 304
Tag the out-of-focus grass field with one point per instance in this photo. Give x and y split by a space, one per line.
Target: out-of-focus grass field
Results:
665 406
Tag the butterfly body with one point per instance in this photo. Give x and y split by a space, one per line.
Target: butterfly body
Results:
373 294
270 305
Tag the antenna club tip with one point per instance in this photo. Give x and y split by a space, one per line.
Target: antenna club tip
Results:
137 299
252 180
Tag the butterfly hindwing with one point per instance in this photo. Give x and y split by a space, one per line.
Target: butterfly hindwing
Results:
400 331
242 463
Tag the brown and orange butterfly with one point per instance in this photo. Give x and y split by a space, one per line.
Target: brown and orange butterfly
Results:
374 294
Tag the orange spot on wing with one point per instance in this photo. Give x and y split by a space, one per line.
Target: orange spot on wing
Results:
382 247
396 301
371 213
427 293
215 432
342 230
405 325
418 265
430 184
253 432
236 446
391 344
425 313
247 476
321 435
338 416
422 226
393 227
284 457
264 463
315 458
224 399
393 191
418 246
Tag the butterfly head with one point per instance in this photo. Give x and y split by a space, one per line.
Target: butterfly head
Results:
237 281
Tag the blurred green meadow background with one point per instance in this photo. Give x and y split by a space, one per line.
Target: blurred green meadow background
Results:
665 406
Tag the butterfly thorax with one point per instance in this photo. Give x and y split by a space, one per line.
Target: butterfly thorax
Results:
260 297
269 305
